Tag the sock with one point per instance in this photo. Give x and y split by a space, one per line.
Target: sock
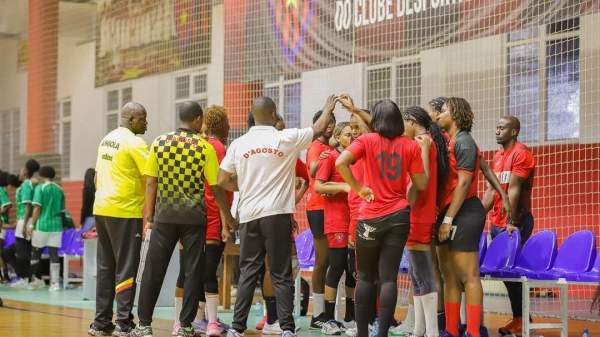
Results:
330 309
54 272
419 329
318 304
410 315
200 313
178 305
452 317
349 317
463 308
473 319
271 304
430 309
212 306
441 320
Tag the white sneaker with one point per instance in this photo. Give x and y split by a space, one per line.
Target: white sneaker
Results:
36 284
20 284
348 325
54 287
352 332
272 329
402 329
331 328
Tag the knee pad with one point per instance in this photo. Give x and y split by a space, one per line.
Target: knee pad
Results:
422 272
338 262
212 260
181 276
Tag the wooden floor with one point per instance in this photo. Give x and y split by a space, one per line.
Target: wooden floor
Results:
21 319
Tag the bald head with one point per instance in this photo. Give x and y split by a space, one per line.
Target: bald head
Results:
507 131
133 117
513 122
264 111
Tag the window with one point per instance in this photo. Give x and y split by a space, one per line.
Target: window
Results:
190 87
554 49
399 81
9 141
63 136
115 99
286 93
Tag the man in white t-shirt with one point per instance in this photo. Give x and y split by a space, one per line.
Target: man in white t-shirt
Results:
264 160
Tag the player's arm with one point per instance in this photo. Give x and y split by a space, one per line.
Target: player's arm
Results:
342 164
489 175
515 184
227 181
150 171
362 115
330 188
37 210
321 124
151 190
488 198
301 191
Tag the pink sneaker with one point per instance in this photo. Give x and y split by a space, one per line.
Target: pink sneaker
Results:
176 326
213 330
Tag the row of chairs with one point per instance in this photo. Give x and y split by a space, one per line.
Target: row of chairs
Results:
71 247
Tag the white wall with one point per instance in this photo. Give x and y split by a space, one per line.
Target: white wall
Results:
9 85
589 80
319 84
216 73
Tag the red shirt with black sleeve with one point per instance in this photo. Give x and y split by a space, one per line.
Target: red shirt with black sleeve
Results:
315 201
463 157
387 165
517 160
213 216
337 211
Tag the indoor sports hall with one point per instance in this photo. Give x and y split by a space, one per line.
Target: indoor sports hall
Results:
67 67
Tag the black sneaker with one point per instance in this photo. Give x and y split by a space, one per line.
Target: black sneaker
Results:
122 332
186 332
95 331
316 323
141 331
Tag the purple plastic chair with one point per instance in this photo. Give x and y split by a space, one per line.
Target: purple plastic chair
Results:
67 237
76 244
482 247
9 237
502 253
590 276
538 255
305 249
576 255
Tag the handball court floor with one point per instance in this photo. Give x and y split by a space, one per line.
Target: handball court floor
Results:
41 313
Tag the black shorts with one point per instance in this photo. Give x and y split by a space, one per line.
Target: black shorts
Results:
371 231
316 221
467 227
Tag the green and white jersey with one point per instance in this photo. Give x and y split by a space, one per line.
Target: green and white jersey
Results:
24 196
52 200
4 201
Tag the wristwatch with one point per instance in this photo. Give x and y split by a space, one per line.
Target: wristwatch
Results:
150 218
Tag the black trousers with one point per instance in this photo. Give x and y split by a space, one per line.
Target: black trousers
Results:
118 257
163 240
270 235
23 258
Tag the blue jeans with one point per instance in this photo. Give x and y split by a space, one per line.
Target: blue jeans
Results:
515 289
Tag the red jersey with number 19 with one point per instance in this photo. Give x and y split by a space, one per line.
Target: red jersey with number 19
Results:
337 211
387 164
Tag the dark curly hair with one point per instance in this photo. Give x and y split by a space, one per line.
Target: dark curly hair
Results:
438 103
461 112
32 166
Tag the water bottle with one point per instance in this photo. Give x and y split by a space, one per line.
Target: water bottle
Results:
585 333
375 328
258 311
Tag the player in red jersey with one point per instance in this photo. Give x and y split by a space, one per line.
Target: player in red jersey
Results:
515 167
319 149
384 219
422 220
337 222
461 220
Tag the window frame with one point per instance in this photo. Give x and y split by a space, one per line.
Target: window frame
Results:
120 104
280 84
60 134
191 95
392 65
15 134
542 41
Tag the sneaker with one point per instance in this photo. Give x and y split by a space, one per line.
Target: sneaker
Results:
175 330
262 323
122 332
213 329
316 323
272 329
95 331
234 333
200 327
54 287
483 332
36 284
20 284
140 331
514 326
445 333
402 330
223 327
352 332
187 332
344 326
462 329
331 328
287 333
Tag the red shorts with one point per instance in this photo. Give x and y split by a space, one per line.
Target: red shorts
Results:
213 230
337 240
420 233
